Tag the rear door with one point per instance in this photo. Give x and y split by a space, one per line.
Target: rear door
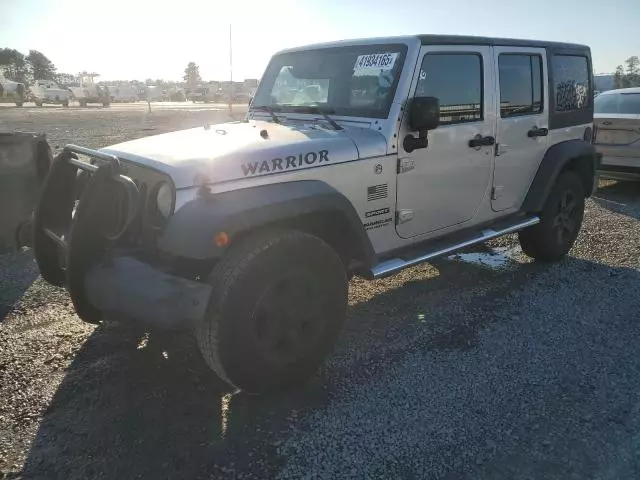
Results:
523 122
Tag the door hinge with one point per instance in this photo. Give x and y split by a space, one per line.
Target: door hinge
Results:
496 192
404 216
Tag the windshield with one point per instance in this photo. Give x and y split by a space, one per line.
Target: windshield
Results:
618 103
351 81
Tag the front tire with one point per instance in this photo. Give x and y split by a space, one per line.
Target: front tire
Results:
560 221
279 301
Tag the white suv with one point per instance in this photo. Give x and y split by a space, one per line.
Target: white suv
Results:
357 157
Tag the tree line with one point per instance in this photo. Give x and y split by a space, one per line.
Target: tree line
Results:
627 75
22 68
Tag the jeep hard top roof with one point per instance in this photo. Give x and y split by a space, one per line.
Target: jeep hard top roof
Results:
446 40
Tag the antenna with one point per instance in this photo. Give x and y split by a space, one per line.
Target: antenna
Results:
230 72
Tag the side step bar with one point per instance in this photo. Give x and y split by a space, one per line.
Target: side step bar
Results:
394 265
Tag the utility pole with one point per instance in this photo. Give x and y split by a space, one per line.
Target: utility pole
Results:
230 73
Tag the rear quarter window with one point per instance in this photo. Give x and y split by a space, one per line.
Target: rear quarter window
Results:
571 81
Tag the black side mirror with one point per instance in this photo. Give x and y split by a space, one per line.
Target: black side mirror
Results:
424 115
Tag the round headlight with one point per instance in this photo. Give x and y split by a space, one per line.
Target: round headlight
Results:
164 199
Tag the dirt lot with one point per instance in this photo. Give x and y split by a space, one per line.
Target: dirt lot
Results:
483 366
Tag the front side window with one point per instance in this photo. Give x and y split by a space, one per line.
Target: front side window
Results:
351 81
571 82
520 84
456 80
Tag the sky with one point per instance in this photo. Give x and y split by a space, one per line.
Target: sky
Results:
139 39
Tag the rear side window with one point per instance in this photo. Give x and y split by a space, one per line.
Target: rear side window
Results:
618 103
570 82
520 84
456 80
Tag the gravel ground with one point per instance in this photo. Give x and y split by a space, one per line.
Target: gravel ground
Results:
499 368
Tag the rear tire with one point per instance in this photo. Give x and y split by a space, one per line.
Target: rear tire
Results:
278 303
560 221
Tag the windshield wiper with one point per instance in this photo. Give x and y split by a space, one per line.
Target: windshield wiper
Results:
322 111
270 109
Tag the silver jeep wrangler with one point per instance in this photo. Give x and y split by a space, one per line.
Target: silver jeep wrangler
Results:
355 158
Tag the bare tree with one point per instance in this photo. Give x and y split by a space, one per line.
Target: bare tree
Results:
633 71
192 76
619 77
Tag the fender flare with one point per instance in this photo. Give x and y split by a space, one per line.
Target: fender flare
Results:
554 161
190 231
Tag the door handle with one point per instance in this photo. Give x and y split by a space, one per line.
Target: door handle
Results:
537 132
480 141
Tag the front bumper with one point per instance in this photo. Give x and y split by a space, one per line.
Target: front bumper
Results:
80 249
129 289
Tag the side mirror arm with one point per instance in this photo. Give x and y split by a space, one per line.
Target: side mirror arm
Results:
411 143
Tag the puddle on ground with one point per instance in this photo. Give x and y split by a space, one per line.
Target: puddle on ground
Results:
496 258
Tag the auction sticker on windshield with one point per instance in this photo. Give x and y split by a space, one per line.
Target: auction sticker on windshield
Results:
374 62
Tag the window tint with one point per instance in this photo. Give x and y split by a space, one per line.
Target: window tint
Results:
571 82
618 103
520 84
456 80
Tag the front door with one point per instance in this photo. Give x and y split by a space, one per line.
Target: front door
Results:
522 122
445 183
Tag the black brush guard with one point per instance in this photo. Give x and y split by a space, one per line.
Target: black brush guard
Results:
84 211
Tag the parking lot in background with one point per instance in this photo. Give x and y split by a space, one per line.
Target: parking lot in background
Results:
484 365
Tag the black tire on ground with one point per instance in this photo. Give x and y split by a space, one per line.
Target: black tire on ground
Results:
65 103
560 221
279 301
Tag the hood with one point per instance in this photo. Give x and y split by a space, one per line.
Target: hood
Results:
237 150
